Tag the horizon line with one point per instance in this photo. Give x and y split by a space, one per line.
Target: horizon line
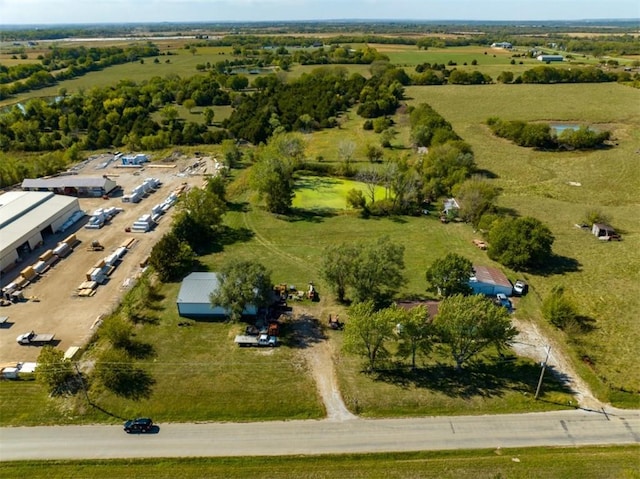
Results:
332 20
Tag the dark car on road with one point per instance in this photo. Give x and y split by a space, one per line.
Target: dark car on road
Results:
141 424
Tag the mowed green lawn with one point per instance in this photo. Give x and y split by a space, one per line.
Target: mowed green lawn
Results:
325 193
593 462
605 286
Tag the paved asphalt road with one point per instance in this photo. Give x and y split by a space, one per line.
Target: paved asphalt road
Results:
560 428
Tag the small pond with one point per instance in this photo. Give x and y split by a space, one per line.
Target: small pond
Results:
560 127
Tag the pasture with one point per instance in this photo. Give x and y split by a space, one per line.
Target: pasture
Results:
593 461
604 283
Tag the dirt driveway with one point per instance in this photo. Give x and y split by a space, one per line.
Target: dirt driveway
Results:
57 308
531 343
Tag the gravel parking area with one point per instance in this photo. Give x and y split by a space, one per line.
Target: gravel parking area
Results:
52 303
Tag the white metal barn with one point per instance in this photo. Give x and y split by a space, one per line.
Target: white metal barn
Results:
193 299
26 218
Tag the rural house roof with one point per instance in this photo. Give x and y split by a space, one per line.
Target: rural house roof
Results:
432 306
489 275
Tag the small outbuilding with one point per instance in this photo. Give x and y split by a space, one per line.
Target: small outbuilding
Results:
450 205
601 230
194 298
490 281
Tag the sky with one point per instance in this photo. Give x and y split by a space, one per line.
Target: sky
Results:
134 11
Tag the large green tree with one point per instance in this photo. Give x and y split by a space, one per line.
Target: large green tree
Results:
415 333
450 275
242 283
476 197
377 270
445 166
368 270
53 370
199 214
272 174
470 324
273 179
336 267
171 258
520 243
367 331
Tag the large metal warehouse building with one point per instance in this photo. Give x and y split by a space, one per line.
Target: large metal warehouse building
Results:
27 218
84 186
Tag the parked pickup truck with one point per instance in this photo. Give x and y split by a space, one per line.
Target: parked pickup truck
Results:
261 340
34 338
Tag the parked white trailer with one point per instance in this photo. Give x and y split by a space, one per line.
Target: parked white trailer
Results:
261 340
34 338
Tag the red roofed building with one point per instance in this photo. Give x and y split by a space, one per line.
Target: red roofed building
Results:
432 306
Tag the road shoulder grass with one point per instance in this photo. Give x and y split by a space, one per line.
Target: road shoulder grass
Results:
593 462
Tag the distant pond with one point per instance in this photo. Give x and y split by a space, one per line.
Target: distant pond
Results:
560 127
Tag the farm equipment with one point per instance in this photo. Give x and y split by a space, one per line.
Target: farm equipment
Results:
334 323
95 246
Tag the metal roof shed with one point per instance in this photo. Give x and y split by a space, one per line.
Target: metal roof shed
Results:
490 281
193 299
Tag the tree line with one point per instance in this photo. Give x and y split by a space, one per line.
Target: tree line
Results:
61 64
541 135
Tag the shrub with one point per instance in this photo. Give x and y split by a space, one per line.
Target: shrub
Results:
558 310
596 216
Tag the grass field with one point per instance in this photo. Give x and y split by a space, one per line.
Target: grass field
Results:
603 282
605 286
592 462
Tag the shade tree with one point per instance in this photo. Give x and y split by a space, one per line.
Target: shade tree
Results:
450 275
520 243
468 325
368 331
242 284
415 333
53 370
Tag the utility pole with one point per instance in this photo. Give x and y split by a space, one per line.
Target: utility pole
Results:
544 365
